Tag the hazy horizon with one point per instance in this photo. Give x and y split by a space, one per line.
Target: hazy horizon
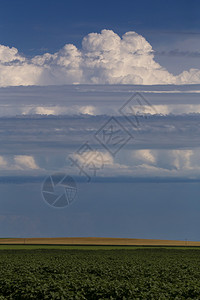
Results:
149 188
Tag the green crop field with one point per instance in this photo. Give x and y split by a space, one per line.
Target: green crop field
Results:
88 247
142 273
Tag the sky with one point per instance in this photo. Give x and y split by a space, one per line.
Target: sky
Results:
71 75
144 182
59 42
35 26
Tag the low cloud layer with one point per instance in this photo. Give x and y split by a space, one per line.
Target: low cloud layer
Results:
164 146
18 163
142 163
104 58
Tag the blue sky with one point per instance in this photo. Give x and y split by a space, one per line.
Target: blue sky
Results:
32 26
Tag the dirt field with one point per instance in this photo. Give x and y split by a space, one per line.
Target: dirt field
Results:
97 241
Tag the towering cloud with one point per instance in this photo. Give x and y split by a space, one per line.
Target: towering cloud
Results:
104 58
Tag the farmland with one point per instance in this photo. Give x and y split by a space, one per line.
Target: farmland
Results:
64 273
96 241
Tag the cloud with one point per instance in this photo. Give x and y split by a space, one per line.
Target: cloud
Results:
25 162
97 158
171 161
189 77
9 55
148 163
15 74
18 162
56 110
144 155
3 162
105 58
176 163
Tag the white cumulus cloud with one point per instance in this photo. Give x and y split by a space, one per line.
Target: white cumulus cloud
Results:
105 58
